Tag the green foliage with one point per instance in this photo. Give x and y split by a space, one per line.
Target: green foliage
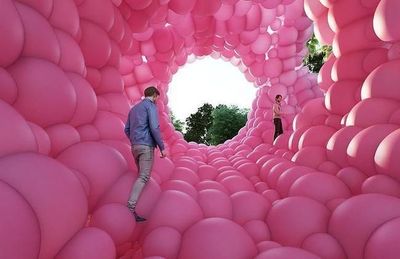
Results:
227 121
198 123
178 124
317 54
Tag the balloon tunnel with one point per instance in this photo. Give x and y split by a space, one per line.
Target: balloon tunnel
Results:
328 188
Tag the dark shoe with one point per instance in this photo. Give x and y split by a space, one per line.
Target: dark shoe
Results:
138 218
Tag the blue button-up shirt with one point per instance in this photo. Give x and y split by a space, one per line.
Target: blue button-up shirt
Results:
142 126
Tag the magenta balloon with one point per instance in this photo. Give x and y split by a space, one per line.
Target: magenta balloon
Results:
353 178
215 203
207 172
311 156
340 97
20 236
289 176
321 187
316 136
99 12
95 242
162 241
32 175
119 230
208 237
253 17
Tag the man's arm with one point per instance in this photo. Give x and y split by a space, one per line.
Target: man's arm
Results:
127 126
155 127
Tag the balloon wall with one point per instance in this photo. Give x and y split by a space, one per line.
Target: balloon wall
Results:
327 188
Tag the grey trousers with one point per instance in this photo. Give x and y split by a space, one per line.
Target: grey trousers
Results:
144 158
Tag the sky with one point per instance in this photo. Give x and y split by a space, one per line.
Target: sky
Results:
208 80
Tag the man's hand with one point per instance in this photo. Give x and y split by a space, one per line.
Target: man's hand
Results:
163 154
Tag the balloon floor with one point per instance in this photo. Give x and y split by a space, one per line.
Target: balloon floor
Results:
327 188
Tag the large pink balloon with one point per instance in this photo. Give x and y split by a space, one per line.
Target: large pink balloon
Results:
217 237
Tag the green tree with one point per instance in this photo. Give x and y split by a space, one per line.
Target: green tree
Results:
198 123
178 124
317 54
227 121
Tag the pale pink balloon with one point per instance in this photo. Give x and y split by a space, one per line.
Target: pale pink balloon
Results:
208 237
61 137
181 186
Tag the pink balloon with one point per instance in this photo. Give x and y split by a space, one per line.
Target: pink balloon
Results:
208 237
324 245
33 176
258 230
286 252
163 241
101 173
249 206
20 236
284 217
321 187
388 164
383 241
367 212
381 184
45 95
119 230
215 203
95 242
175 209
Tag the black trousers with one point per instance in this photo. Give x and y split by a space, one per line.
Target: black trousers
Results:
278 127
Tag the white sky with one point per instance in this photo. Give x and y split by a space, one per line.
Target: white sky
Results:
208 80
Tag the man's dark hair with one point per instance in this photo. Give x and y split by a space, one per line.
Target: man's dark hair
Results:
277 96
150 91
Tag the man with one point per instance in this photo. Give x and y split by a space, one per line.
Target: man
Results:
143 131
276 110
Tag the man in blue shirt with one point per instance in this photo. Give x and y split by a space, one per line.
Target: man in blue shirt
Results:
143 131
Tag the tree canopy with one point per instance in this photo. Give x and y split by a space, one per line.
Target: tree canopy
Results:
198 124
317 54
